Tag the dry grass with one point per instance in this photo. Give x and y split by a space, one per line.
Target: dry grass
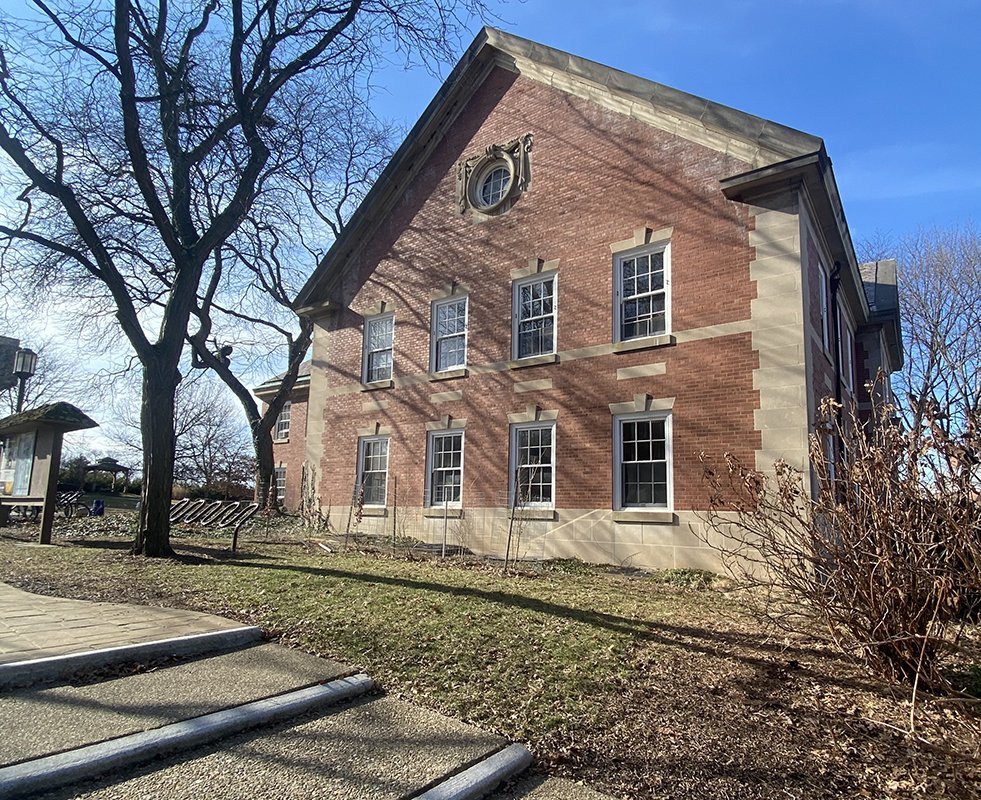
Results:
642 685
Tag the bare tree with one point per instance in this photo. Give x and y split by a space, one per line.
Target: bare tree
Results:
940 308
276 248
213 447
140 134
57 379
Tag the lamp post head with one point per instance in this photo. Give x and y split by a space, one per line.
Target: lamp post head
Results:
25 363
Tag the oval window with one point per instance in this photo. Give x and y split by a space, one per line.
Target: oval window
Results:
494 186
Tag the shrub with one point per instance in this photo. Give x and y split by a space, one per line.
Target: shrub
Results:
882 545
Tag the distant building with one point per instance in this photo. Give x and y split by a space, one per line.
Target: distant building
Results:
568 283
289 436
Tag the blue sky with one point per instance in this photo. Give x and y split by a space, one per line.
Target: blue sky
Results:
891 86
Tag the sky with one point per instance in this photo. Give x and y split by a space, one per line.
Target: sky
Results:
891 86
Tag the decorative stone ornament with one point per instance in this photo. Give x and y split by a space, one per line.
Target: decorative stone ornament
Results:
490 182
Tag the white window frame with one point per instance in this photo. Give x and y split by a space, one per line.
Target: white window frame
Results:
663 246
513 461
516 286
846 349
362 445
279 482
825 291
366 353
430 449
618 421
283 423
435 338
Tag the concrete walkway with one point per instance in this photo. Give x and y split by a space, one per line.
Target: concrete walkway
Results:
33 626
239 719
144 730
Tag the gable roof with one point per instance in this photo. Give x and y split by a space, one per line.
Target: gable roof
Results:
759 141
271 385
64 416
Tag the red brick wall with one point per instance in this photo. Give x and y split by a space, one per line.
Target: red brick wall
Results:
596 177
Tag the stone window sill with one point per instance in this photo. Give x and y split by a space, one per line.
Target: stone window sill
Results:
533 361
645 343
439 512
282 441
653 516
449 374
533 514
375 385
374 511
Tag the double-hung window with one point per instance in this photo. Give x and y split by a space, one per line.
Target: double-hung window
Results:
445 468
534 304
449 336
279 480
283 423
378 335
532 465
643 302
642 461
373 470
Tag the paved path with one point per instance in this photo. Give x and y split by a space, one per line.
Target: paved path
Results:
94 739
42 721
34 626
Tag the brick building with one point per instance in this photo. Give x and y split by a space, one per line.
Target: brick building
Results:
289 436
569 282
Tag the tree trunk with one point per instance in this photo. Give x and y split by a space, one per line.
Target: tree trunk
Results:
264 466
157 421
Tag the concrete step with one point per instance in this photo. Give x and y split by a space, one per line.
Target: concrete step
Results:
40 722
371 749
47 668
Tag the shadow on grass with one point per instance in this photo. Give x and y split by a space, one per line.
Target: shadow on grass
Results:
699 640
184 552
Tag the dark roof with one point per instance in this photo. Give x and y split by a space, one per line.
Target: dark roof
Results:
494 47
55 415
880 281
271 385
106 465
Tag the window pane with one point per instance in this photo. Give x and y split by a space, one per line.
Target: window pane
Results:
380 333
533 475
446 468
450 352
374 489
643 298
643 463
380 365
374 471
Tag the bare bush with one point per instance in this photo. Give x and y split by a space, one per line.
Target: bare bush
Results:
881 543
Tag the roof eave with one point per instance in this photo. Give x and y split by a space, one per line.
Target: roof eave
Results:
269 388
814 172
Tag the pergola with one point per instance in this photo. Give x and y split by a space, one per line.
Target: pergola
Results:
111 466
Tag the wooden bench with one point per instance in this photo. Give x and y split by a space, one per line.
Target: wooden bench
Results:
214 514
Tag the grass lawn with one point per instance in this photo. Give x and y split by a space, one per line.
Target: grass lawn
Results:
642 685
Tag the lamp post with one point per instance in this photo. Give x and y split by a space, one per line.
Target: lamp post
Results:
25 365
